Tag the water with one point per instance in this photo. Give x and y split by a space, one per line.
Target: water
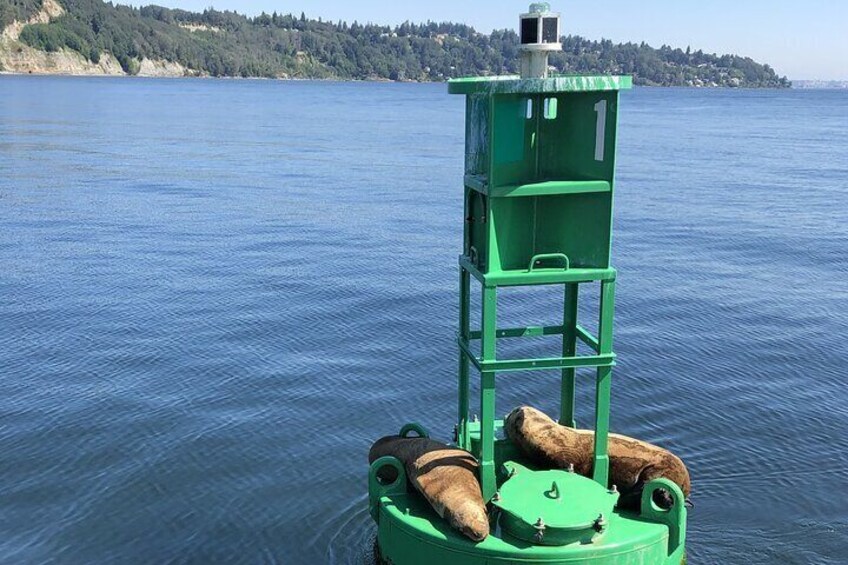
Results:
216 294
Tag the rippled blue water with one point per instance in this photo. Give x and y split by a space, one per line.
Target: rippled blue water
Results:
215 294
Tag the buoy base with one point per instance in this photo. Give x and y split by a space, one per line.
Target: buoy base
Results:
576 520
410 533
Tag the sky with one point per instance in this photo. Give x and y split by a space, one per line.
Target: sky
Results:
802 39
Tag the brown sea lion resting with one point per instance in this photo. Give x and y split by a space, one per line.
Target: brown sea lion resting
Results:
445 476
633 463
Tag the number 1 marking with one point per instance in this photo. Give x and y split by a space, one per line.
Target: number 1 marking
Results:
600 130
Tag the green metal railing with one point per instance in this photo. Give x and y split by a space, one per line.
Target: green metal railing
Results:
489 366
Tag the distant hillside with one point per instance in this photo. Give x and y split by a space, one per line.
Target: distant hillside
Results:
90 36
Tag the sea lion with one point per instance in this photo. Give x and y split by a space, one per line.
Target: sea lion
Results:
445 476
632 463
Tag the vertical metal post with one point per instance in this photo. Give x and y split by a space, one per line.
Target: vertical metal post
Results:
464 334
487 394
569 349
604 385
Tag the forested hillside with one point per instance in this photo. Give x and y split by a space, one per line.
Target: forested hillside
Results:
276 45
17 10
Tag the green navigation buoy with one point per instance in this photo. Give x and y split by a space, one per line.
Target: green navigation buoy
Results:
539 185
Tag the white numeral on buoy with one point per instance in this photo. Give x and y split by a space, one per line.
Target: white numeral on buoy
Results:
600 130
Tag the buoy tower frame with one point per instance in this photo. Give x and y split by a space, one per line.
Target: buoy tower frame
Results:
538 206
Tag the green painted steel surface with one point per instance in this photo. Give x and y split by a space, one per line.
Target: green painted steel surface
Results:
517 85
539 186
410 533
539 178
553 507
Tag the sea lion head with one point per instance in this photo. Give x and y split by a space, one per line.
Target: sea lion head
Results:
514 421
470 518
525 415
542 439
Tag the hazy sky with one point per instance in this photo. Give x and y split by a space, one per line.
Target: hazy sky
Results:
803 39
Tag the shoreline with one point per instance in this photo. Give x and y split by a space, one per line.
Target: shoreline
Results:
356 80
60 58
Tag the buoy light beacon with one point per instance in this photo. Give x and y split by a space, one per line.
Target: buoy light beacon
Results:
539 34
